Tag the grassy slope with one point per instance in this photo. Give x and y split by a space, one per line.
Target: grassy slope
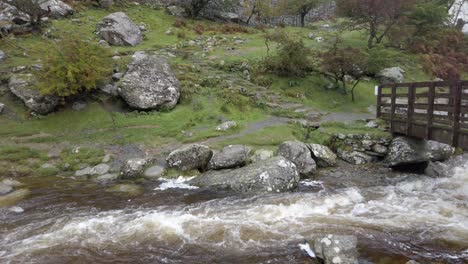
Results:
95 124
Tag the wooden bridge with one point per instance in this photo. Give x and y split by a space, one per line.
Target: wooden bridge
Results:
430 110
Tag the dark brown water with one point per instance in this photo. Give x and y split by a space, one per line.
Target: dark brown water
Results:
68 220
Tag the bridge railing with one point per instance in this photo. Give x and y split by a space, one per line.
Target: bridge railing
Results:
430 110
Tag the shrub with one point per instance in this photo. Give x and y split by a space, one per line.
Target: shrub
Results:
199 29
73 66
179 23
291 58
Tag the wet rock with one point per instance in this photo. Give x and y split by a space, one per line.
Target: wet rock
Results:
273 175
437 151
21 85
299 154
355 157
261 155
322 155
133 168
230 157
149 83
4 188
16 209
107 177
391 75
337 249
13 197
226 126
154 172
56 8
118 29
406 151
437 170
190 158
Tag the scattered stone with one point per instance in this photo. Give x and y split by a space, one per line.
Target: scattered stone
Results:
262 155
176 11
299 154
100 169
84 172
233 156
118 29
391 75
2 55
319 39
169 32
273 175
116 58
337 249
79 105
322 155
325 26
154 172
226 126
107 177
355 157
133 168
117 76
56 8
372 124
190 158
21 86
149 83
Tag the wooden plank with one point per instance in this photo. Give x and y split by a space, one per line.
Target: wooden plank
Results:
411 93
456 113
379 101
392 111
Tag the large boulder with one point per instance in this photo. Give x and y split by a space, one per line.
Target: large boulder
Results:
230 157
391 75
118 29
56 8
273 175
190 158
334 249
133 168
21 86
404 151
299 154
322 155
149 83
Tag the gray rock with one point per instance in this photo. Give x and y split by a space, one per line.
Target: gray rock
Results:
48 166
311 35
337 249
133 168
2 55
229 16
273 175
372 124
118 29
391 75
230 157
107 177
154 172
79 105
322 155
176 11
21 85
437 170
405 151
380 149
261 155
110 89
355 157
4 188
84 172
299 154
100 169
190 158
149 83
57 8
2 107
439 151
106 3
226 126
117 76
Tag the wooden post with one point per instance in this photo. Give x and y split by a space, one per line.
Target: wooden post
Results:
411 101
457 88
430 111
379 101
392 111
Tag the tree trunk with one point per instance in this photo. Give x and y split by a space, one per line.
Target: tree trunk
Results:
303 16
353 99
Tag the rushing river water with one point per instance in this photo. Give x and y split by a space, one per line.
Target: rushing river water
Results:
74 221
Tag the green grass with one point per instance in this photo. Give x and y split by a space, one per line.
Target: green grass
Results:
73 158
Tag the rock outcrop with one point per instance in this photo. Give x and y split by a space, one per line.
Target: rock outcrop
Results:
190 158
119 30
230 157
273 175
21 86
299 154
149 83
56 9
322 155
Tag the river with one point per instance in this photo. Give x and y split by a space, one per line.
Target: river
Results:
67 220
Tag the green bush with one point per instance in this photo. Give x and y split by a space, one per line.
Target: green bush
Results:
72 66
